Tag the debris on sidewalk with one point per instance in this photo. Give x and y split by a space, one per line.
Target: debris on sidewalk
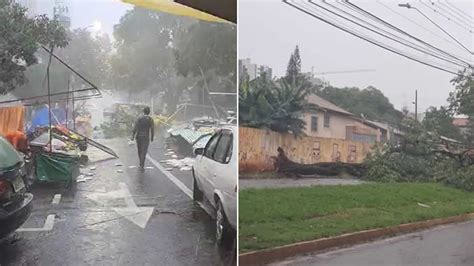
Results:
118 164
423 205
80 178
181 163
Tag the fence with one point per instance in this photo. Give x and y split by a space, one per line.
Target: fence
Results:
258 146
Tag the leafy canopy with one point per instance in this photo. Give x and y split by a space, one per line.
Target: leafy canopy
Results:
21 37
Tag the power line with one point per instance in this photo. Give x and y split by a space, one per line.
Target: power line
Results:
460 10
450 13
381 34
368 40
345 71
419 25
434 23
366 37
374 17
377 19
455 11
448 18
369 15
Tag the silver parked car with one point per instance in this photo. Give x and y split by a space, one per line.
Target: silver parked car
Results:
215 180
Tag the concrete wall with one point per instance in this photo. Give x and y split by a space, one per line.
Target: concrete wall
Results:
258 146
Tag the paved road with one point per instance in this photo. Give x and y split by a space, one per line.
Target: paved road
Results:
127 218
443 246
292 182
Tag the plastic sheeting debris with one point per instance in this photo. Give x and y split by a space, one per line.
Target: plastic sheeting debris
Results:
183 164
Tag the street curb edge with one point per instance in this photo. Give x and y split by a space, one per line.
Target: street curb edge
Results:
265 256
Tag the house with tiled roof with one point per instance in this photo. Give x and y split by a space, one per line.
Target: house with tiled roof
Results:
332 121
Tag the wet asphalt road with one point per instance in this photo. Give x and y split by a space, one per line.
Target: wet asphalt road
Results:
95 225
443 246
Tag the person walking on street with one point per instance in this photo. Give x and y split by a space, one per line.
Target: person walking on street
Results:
143 133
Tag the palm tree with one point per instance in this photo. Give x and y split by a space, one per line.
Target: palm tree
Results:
274 104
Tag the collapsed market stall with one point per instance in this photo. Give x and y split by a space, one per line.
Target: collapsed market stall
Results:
52 152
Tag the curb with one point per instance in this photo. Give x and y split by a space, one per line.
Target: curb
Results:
265 256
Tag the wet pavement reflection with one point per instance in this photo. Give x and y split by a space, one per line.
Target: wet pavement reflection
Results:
118 218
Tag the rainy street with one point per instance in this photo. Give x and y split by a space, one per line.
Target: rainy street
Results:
118 216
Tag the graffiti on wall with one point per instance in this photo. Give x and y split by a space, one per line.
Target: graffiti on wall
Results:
336 154
352 154
257 149
315 154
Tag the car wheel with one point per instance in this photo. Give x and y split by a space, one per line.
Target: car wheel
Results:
223 228
197 193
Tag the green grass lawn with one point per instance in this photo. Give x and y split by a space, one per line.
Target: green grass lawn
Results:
275 217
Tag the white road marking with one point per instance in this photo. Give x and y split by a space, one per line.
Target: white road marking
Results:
171 177
56 199
137 215
48 225
127 195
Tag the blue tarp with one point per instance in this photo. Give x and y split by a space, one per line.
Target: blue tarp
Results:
41 117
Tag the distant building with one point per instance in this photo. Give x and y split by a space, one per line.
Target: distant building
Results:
61 13
264 70
253 70
58 9
462 123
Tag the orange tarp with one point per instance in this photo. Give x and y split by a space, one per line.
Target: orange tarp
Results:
11 119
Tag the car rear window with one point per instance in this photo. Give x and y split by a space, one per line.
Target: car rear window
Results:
221 154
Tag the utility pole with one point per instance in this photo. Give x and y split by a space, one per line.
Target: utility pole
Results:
416 105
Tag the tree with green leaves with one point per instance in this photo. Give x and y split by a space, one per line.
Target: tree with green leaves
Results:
276 105
293 71
87 54
462 101
21 38
145 42
369 102
462 98
440 121
207 52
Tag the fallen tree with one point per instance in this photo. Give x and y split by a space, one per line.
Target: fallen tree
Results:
286 166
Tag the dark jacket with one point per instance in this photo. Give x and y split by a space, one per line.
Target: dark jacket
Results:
144 128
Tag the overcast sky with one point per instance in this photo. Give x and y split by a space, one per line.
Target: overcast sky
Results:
269 31
84 13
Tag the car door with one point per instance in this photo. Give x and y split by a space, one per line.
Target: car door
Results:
205 169
219 167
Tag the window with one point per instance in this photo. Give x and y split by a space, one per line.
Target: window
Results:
229 152
314 123
221 153
211 146
327 119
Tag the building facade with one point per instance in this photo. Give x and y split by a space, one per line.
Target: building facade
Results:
331 121
253 70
